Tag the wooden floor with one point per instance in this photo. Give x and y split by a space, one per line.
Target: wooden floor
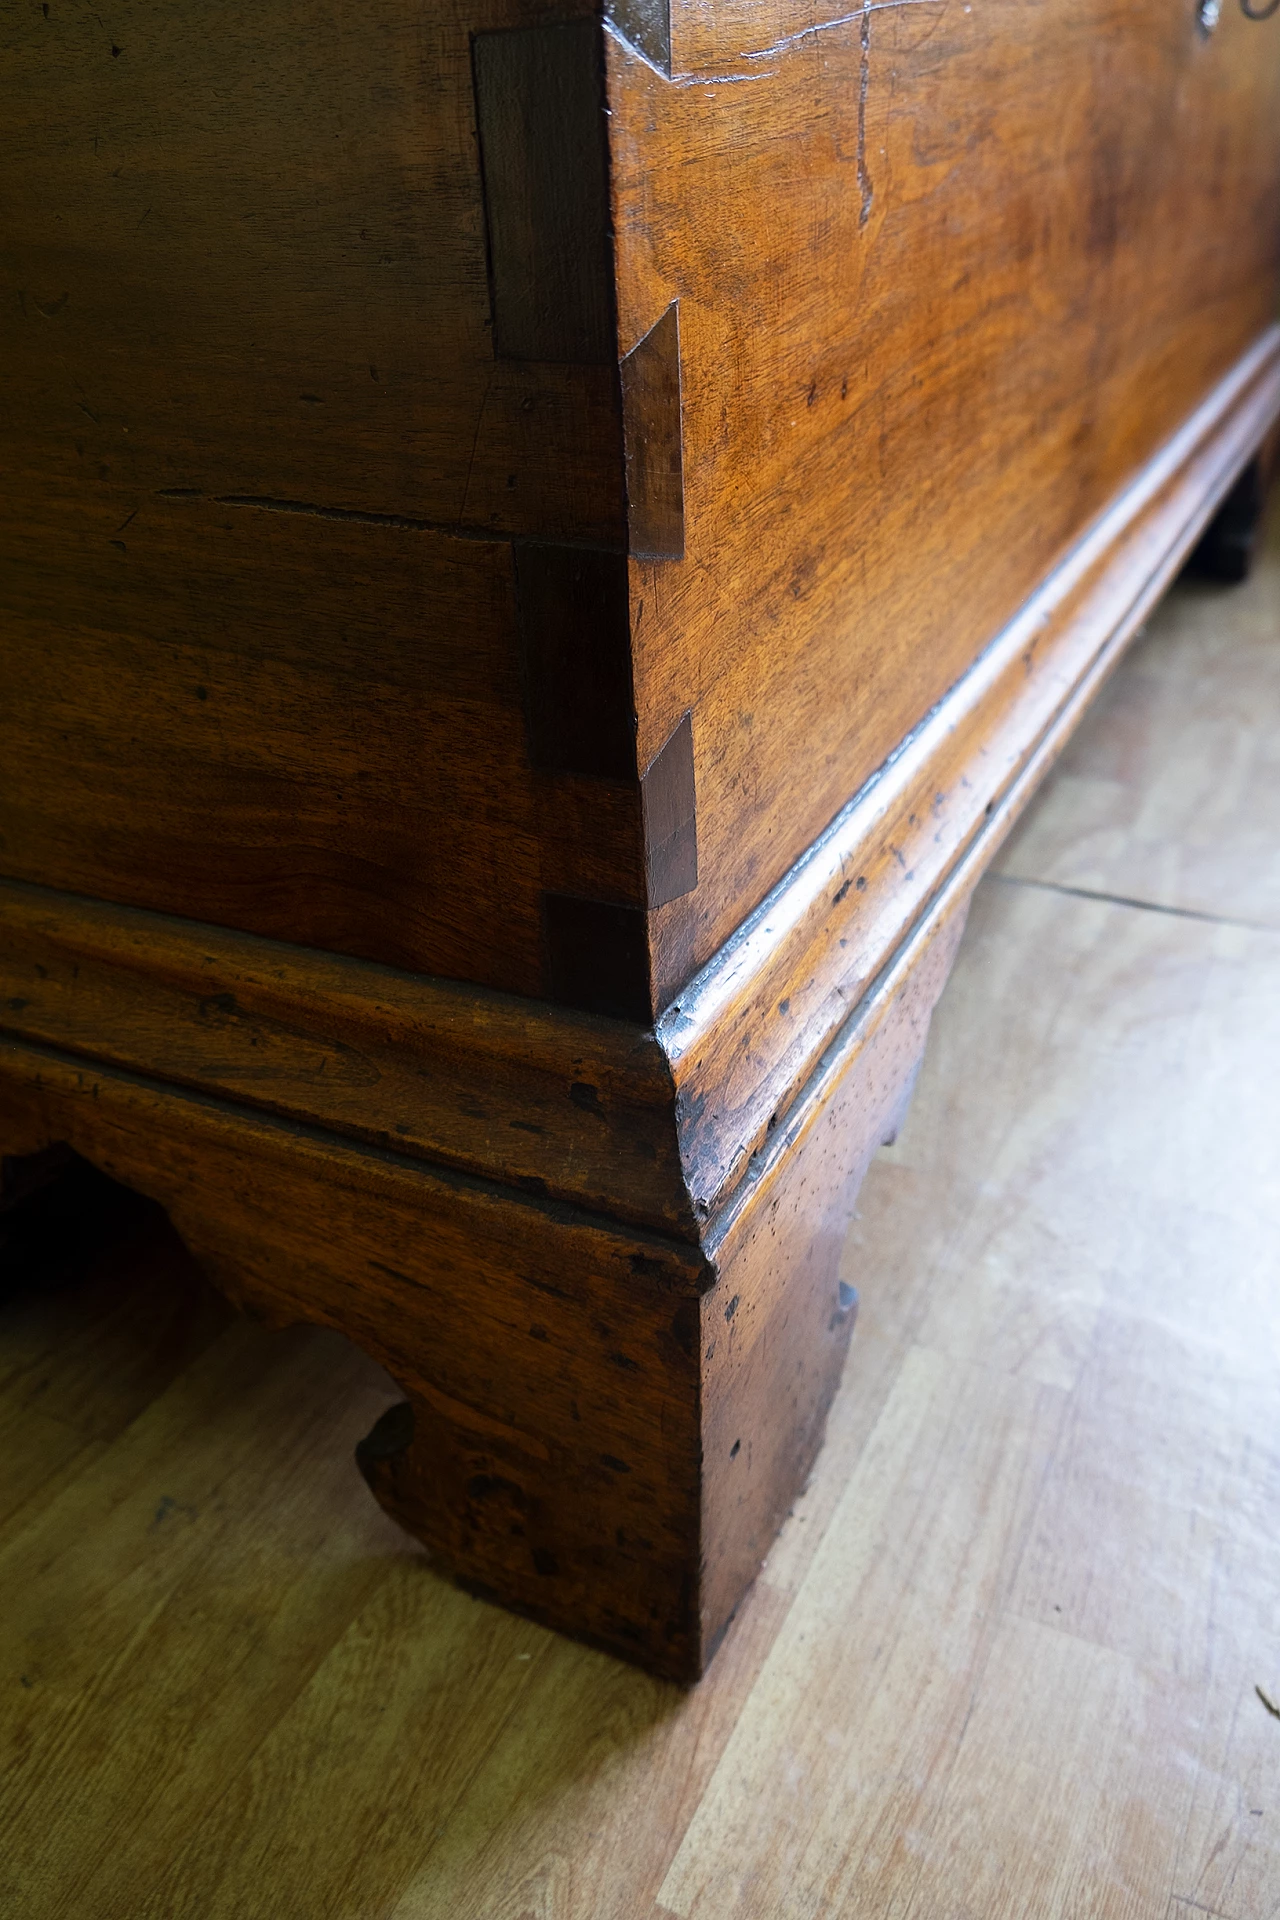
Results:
1006 1658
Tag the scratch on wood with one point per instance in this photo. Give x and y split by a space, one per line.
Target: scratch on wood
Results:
864 82
475 442
265 503
842 20
860 18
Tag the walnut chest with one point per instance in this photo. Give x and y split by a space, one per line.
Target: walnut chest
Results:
542 552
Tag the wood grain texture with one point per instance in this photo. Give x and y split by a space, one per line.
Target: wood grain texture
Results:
745 1035
565 1387
306 383
265 460
669 802
721 1427
946 282
550 1360
750 1192
893 413
541 125
1061 1396
237 297
654 435
994 1692
291 729
750 1157
547 1100
520 1094
776 1328
576 640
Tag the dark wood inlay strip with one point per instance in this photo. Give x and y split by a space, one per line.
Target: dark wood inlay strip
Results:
541 119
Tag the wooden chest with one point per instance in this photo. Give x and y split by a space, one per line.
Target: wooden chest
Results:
542 553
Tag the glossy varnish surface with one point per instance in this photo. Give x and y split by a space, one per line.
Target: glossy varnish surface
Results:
544 1100
947 277
330 421
1005 1658
668 1127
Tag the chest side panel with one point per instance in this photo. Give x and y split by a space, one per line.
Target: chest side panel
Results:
947 277
270 468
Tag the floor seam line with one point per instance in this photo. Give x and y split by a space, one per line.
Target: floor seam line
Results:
1142 906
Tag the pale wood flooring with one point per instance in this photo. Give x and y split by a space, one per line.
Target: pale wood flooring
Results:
1004 1659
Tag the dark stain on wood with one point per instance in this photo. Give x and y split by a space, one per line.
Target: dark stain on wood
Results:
669 807
597 956
651 408
576 643
540 115
647 25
